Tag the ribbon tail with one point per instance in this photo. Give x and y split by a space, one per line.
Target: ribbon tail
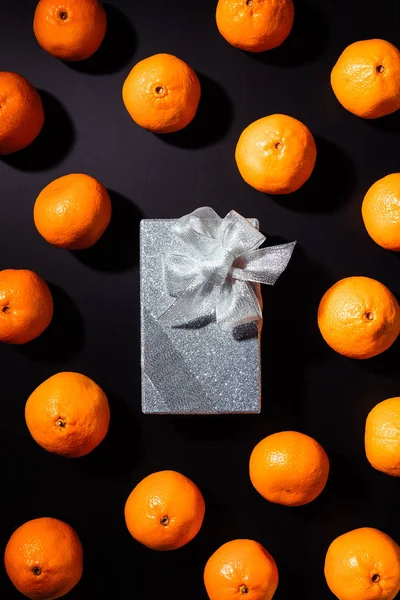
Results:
167 376
264 265
238 305
195 303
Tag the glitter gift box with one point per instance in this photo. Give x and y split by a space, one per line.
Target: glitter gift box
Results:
201 312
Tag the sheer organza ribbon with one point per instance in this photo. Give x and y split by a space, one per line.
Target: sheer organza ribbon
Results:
215 280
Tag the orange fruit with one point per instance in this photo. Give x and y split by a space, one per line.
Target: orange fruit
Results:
381 212
68 414
72 211
21 113
276 154
71 30
255 25
366 78
26 306
43 558
363 564
359 317
164 511
289 468
162 93
241 569
382 437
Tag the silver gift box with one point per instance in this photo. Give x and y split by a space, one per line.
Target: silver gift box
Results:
197 368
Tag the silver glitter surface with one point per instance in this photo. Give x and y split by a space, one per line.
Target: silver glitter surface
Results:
196 369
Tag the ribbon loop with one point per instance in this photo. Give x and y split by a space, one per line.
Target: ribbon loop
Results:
219 281
238 235
200 230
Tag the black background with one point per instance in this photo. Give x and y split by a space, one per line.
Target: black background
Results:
306 386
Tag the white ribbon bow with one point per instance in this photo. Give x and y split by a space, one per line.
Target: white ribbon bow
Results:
217 279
